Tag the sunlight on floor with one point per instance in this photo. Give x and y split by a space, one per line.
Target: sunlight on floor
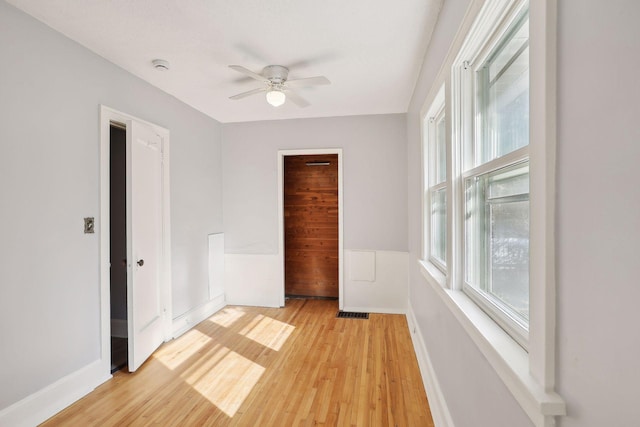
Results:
175 353
269 332
219 374
227 316
226 381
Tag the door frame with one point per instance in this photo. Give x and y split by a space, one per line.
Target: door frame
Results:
310 152
107 116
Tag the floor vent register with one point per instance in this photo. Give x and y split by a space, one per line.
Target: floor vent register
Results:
351 315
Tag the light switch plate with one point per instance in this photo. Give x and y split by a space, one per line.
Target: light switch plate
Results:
89 223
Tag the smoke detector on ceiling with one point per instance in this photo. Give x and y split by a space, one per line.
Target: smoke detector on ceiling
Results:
160 64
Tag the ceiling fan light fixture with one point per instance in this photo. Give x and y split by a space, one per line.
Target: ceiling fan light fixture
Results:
276 97
274 79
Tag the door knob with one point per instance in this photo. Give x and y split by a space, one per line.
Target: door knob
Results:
140 263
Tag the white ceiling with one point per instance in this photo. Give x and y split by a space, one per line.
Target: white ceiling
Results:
371 50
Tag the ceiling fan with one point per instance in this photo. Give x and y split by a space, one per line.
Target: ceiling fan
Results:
276 85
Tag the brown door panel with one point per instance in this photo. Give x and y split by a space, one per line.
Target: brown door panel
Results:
311 225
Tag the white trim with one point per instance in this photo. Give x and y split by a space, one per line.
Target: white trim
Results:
542 191
119 328
508 359
501 313
529 376
437 106
428 144
105 244
167 302
380 310
305 152
512 158
490 26
188 320
480 40
437 403
108 115
46 402
434 273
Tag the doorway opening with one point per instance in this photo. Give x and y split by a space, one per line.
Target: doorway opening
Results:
311 226
135 277
310 204
118 244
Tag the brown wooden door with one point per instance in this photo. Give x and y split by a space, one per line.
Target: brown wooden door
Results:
311 225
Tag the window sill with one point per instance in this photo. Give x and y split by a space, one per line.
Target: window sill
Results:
508 359
433 273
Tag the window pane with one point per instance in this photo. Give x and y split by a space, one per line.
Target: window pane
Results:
509 182
496 233
441 151
427 174
509 249
439 225
503 96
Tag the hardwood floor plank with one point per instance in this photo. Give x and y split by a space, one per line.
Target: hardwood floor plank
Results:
248 366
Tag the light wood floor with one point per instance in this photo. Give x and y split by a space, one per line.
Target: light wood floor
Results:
248 366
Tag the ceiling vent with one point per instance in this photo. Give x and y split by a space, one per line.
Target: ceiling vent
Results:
160 64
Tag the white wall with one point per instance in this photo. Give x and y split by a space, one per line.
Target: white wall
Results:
50 92
372 285
598 227
375 197
598 219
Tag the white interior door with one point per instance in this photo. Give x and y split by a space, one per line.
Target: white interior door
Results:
144 235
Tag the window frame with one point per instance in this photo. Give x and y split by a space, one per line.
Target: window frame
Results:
494 307
430 121
498 39
529 376
471 118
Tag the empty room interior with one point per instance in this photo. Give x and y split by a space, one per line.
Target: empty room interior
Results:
356 213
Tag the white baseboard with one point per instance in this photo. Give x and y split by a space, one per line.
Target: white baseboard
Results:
119 328
437 402
45 403
188 320
383 310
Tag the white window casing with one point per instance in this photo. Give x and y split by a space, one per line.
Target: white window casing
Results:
435 177
529 374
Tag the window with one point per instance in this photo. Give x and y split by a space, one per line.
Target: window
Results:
498 197
502 83
435 218
496 234
496 180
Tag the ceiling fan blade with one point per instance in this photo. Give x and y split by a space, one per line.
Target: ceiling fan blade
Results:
248 93
308 81
297 99
246 71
